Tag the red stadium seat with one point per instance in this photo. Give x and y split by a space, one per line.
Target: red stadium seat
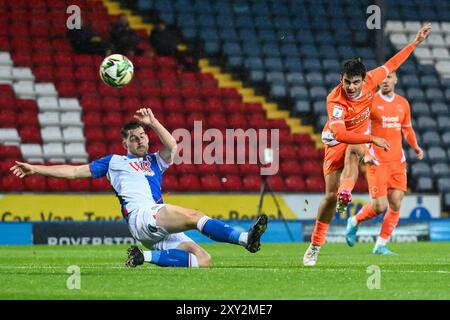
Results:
228 169
315 184
237 121
107 91
9 152
252 182
86 73
35 183
213 106
42 59
312 168
80 185
207 169
208 91
96 150
112 119
101 184
295 183
174 121
307 152
193 105
232 183
249 169
290 167
94 134
187 168
87 87
302 138
58 185
211 183
116 149
7 119
111 104
63 60
12 183
43 74
195 116
189 182
172 105
153 103
27 119
91 119
169 182
63 73
217 120
67 89
90 102
276 183
30 135
7 102
26 105
288 152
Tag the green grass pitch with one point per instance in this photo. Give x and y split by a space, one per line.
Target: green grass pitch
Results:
419 271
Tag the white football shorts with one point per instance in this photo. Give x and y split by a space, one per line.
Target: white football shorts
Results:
142 226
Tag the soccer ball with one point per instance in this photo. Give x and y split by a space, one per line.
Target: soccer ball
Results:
116 70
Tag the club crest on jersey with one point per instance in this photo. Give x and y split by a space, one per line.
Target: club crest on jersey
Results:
338 111
142 167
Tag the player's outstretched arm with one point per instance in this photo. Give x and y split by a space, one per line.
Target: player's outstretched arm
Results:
146 117
397 60
380 73
21 170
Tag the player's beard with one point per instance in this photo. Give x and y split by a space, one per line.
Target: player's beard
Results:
141 151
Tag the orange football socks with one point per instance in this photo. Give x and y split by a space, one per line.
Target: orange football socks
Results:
389 223
365 213
347 183
320 233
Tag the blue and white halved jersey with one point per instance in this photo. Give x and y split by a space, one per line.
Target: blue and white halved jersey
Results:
136 181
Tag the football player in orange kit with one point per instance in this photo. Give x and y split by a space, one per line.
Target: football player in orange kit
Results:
390 118
346 132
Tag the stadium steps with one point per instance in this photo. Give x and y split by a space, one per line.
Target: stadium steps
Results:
136 21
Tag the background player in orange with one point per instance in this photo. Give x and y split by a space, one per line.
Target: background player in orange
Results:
348 108
390 117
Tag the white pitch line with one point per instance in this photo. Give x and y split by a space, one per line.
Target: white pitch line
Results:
219 268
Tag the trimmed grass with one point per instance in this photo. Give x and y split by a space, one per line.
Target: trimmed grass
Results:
419 271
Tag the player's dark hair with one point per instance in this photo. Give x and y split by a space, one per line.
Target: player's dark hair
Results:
130 125
354 67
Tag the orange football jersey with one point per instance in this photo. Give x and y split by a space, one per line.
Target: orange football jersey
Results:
388 117
354 113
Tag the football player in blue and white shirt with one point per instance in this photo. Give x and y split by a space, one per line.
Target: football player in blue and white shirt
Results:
136 179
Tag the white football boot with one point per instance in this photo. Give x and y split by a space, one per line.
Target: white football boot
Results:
311 254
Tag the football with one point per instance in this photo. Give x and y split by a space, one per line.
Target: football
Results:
116 70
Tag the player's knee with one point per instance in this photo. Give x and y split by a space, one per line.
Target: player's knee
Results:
330 197
192 216
394 205
379 206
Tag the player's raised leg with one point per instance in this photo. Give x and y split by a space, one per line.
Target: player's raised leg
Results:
177 219
353 156
325 214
